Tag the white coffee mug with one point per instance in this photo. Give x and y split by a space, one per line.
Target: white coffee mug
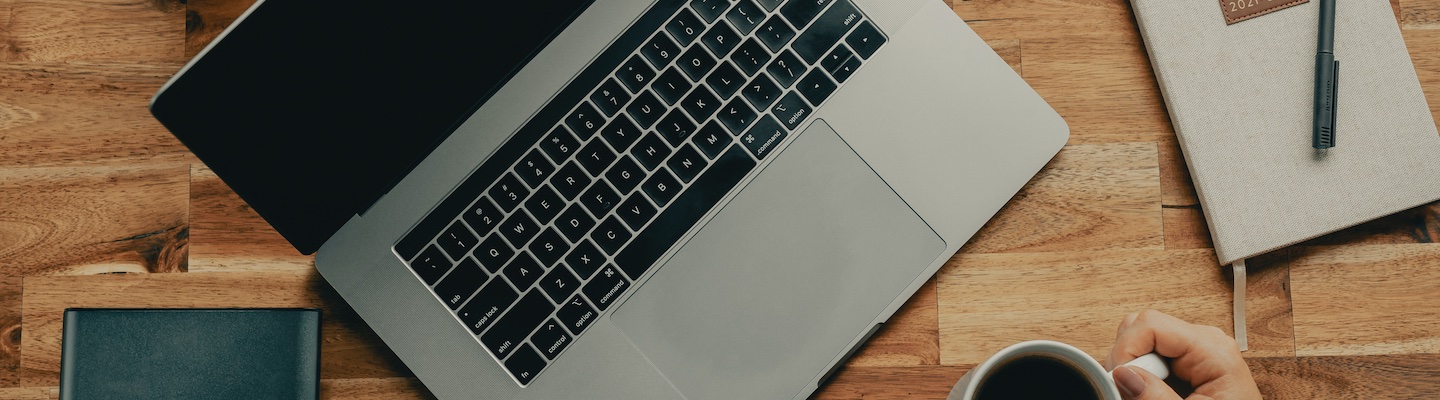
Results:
968 386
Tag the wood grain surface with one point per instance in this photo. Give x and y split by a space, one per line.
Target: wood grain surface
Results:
100 206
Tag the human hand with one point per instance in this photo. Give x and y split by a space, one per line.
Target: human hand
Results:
1204 356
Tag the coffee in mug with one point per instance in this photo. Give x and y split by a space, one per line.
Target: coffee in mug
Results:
1043 369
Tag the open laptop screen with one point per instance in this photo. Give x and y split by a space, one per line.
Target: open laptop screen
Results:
312 109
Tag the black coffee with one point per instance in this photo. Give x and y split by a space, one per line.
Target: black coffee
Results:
1036 377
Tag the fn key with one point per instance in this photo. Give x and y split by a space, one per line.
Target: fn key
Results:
525 364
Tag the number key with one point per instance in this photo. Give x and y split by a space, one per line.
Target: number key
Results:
584 120
509 192
660 50
610 97
483 216
635 74
685 27
559 144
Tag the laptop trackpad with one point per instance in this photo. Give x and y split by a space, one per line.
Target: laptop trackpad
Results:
796 266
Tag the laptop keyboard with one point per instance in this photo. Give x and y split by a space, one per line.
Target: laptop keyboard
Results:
563 228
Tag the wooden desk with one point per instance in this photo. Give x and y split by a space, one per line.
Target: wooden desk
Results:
100 206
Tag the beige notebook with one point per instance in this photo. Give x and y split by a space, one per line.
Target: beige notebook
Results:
1240 96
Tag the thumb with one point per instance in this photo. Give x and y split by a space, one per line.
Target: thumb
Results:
1138 384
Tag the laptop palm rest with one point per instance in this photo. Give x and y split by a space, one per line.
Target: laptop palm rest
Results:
780 281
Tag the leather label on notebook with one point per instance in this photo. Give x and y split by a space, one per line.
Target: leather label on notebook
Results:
1240 10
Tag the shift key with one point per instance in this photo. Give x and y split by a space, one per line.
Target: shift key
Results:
827 30
511 329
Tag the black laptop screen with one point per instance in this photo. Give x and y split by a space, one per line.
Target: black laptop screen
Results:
312 109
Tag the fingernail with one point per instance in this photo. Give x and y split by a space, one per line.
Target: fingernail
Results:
1131 384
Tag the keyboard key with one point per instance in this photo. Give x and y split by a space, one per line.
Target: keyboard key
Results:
865 39
595 157
791 111
559 283
585 259
751 57
635 73
726 80
786 69
519 228
551 339
523 271
723 175
661 187
761 91
493 253
645 109
516 324
559 144
525 364
509 192
686 163
685 27
710 9
600 198
671 86
745 16
606 287
570 180
457 240
660 50
544 205
696 63
676 127
815 86
610 235
549 247
826 31
720 39
493 299
577 314
574 222
636 211
769 4
736 116
775 33
584 120
763 137
610 97
431 264
799 13
625 175
483 216
462 282
419 236
845 70
534 168
712 139
700 104
836 58
651 151
620 133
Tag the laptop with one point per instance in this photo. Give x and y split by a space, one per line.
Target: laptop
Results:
616 199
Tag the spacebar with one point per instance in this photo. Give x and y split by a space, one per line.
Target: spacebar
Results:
684 212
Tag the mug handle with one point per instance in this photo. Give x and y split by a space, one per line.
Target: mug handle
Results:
1151 363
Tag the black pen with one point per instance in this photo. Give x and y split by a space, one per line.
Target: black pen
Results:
1327 79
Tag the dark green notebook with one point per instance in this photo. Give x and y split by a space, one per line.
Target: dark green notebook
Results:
190 354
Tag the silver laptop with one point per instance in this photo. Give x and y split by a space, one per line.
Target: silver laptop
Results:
616 199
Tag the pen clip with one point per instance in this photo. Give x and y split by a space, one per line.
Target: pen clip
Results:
1334 102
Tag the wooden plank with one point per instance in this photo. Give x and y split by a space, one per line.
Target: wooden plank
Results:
1422 44
93 220
1034 19
1185 228
227 235
205 19
373 388
1009 50
1101 84
1366 300
30 393
1409 376
990 301
94 31
9 331
930 382
348 350
1419 14
83 114
1176 186
1095 196
910 338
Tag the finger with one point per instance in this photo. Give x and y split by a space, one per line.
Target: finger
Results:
1153 331
1138 384
1124 323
